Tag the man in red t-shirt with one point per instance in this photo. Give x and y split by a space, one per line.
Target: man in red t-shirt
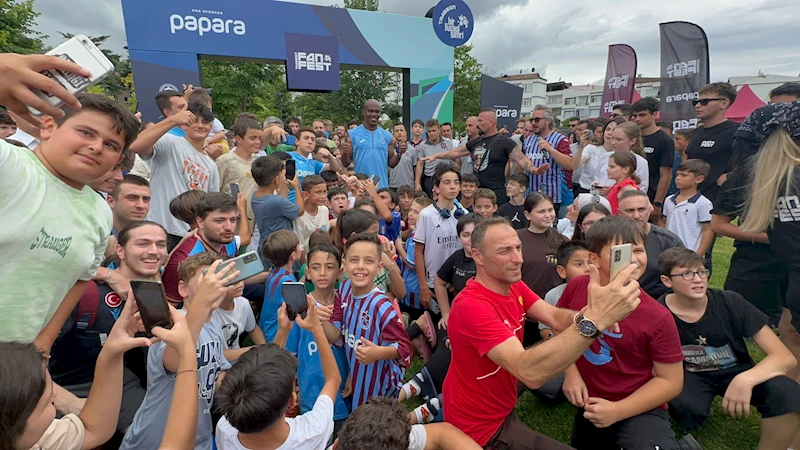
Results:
622 382
485 330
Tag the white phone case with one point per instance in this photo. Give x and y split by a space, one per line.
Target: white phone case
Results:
82 51
620 258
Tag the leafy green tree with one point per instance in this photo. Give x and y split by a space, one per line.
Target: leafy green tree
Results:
118 85
365 5
242 86
16 32
467 81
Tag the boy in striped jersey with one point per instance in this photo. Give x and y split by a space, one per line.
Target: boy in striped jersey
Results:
365 322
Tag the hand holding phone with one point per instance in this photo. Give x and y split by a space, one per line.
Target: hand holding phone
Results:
247 265
620 259
151 299
122 337
309 320
213 285
235 190
291 170
295 296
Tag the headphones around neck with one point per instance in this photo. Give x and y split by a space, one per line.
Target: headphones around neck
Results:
446 213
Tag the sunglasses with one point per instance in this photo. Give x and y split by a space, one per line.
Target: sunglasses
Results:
705 101
537 119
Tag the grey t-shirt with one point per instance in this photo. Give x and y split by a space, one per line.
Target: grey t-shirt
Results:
428 148
403 172
176 167
150 421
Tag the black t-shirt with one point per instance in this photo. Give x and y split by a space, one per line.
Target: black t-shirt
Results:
660 152
514 214
538 264
489 158
715 146
717 340
658 240
457 270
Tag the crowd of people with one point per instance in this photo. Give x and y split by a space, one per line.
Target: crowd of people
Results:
489 257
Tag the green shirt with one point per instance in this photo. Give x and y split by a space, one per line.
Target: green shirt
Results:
281 148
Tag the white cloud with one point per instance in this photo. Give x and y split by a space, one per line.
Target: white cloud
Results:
561 40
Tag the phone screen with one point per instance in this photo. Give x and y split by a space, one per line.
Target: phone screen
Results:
289 139
153 306
290 169
294 294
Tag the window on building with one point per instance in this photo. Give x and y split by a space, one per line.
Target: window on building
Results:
554 99
557 112
594 112
569 101
597 98
526 87
526 102
583 101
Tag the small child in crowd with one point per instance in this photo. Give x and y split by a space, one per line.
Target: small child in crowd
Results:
411 301
688 212
469 185
273 211
235 317
316 213
514 210
282 249
485 203
621 170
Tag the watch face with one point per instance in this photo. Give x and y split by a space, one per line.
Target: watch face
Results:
587 328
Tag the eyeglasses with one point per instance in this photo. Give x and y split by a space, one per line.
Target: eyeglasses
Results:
615 115
689 275
705 101
573 125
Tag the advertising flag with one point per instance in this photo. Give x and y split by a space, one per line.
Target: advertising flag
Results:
684 71
620 77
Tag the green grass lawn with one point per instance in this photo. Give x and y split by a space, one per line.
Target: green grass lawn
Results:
720 432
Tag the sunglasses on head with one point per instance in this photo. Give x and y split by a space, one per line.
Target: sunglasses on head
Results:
705 101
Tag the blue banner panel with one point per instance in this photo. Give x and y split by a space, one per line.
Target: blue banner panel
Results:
313 63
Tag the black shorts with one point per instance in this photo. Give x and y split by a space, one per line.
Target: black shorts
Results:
132 397
775 397
646 431
515 435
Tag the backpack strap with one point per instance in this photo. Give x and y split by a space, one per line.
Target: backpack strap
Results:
87 306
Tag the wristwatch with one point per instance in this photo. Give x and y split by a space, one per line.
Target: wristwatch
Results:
587 328
658 204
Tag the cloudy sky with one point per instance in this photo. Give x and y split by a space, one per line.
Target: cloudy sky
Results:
561 43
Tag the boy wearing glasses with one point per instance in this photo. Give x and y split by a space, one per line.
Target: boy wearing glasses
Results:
713 326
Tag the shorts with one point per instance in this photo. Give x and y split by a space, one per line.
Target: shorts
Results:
646 431
132 397
772 398
514 434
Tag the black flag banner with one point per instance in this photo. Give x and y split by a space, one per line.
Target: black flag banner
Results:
684 71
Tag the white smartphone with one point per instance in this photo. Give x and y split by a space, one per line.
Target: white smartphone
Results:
620 258
82 51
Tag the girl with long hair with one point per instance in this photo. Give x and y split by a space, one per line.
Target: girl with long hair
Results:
539 243
586 153
621 169
626 137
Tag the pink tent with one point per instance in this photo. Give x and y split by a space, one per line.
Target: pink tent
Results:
636 96
746 102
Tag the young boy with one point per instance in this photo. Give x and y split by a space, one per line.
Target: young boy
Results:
331 179
200 294
282 249
681 139
217 133
688 212
315 217
485 203
260 388
235 317
274 212
713 326
405 195
459 267
514 210
52 218
623 380
390 199
411 299
304 154
324 269
338 201
469 185
366 323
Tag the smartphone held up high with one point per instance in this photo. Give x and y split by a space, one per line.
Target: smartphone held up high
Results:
294 294
153 306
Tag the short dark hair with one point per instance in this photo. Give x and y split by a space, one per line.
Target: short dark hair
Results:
791 88
418 122
695 166
432 122
5 118
351 123
244 115
265 169
574 118
665 124
364 237
329 176
352 221
648 104
200 95
679 257
243 125
279 246
129 178
405 190
480 230
723 89
470 178
23 381
398 124
380 423
395 197
446 123
309 181
613 229
325 248
487 194
319 237
292 119
332 192
443 169
125 123
201 111
256 390
467 219
188 268
685 132
366 202
182 207
214 201
567 249
164 99
302 130
624 108
519 178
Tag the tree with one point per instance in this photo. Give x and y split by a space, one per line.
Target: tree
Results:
241 86
365 5
16 34
118 85
467 81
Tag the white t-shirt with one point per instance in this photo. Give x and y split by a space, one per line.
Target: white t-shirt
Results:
309 431
66 433
440 238
51 236
177 167
216 127
590 152
233 323
307 224
600 176
687 218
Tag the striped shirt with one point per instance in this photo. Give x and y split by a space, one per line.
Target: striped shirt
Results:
372 317
548 182
411 299
273 299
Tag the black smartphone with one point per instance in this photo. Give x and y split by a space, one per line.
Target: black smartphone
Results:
235 190
153 305
375 179
291 169
294 295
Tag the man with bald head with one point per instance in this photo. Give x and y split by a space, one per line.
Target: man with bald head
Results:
490 155
370 147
